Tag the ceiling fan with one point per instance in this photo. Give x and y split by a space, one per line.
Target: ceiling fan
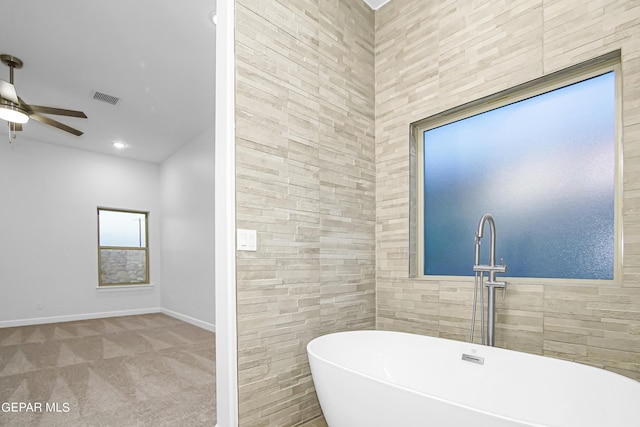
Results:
17 112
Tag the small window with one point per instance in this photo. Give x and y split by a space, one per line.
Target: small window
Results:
123 253
543 162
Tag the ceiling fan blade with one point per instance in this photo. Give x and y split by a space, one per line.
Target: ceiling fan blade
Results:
55 123
57 111
8 92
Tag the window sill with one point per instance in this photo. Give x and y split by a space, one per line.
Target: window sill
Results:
123 287
614 283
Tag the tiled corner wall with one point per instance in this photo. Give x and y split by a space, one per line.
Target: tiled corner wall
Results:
305 176
431 56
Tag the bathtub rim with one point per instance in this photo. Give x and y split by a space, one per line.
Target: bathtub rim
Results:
422 394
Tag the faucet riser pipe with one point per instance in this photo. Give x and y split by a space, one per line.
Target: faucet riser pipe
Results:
491 315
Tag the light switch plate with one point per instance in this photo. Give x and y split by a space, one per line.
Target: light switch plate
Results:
247 240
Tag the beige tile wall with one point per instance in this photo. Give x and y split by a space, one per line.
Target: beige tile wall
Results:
306 182
431 56
331 207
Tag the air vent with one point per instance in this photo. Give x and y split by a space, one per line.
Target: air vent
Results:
109 99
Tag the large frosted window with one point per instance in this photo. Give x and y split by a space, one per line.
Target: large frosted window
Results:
544 167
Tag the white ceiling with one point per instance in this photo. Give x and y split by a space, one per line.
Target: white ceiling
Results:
158 56
376 4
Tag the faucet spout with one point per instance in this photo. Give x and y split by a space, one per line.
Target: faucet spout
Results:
486 218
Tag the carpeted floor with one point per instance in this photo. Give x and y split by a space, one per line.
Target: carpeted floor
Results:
147 370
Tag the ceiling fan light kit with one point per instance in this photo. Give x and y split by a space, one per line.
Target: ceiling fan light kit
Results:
13 113
16 112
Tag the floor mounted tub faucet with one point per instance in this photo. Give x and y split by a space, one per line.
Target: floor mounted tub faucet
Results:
491 269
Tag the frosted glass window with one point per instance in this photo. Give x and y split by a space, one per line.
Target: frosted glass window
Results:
544 168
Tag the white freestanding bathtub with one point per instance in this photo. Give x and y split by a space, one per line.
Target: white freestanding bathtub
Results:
393 379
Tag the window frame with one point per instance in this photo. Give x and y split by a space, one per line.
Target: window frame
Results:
145 248
557 80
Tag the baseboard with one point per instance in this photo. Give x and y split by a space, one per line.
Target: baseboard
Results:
196 322
76 317
86 316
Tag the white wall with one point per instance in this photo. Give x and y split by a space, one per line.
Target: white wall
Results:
48 231
187 179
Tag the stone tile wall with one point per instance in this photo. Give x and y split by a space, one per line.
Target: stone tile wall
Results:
432 56
332 209
306 182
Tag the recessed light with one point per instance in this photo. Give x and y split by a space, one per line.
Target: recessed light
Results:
119 145
214 18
